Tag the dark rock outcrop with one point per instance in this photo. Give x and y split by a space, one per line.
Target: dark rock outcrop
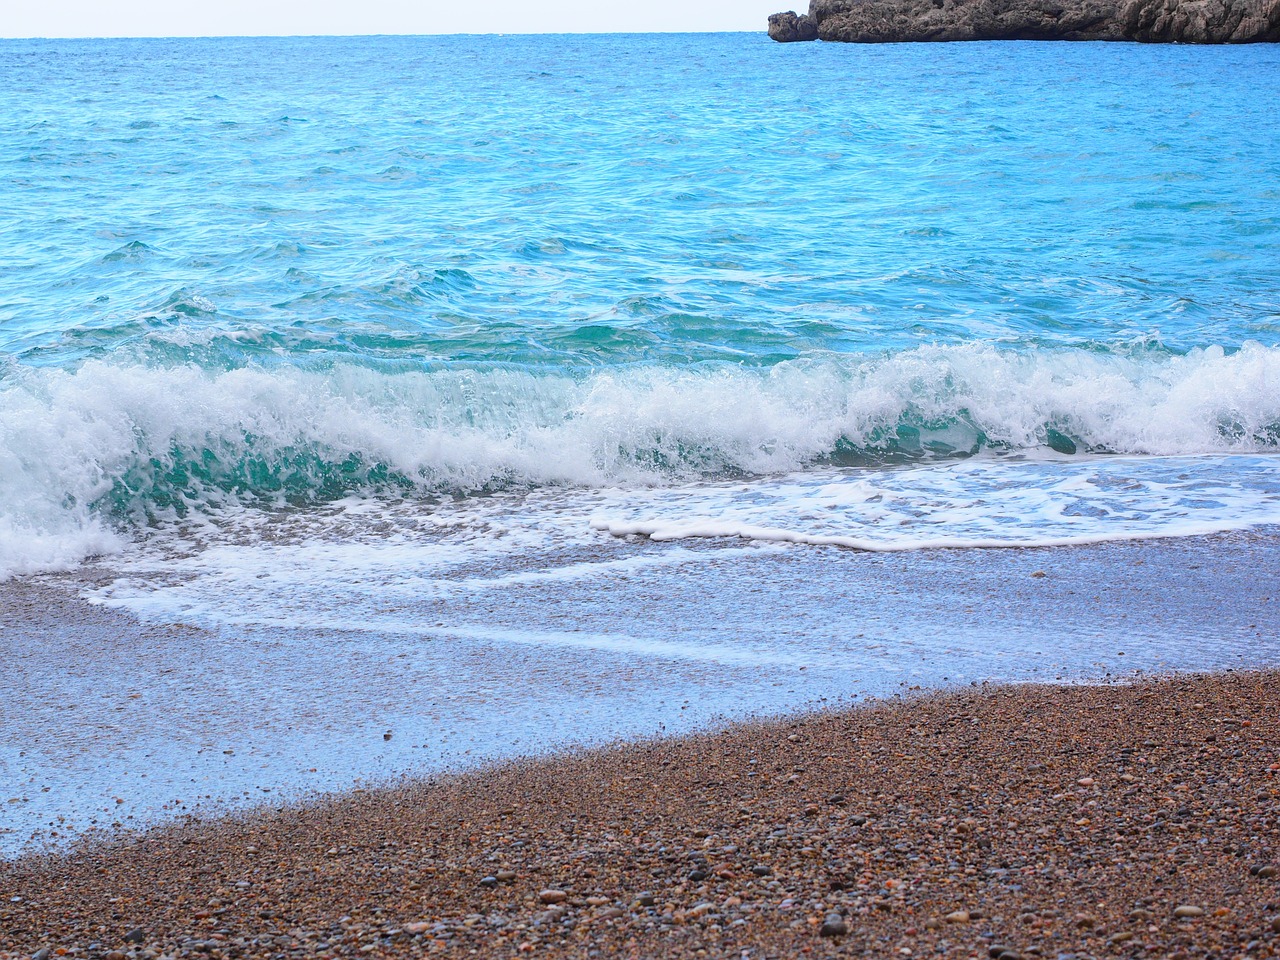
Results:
787 27
1152 21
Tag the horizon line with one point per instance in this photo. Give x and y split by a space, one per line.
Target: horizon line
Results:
367 36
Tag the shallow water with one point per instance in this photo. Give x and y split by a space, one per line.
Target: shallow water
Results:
111 723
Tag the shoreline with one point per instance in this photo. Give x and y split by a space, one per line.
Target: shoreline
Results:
1044 819
114 721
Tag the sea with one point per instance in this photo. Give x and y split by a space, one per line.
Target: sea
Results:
373 406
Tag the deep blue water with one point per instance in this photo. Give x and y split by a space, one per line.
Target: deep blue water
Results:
263 272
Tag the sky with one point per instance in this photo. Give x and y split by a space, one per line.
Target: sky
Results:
167 18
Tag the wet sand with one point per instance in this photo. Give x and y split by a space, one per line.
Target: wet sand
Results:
1126 820
108 721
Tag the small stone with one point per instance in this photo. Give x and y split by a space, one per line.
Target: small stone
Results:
1187 912
957 916
646 900
1038 574
1120 937
135 936
488 881
836 798
505 876
834 926
1275 924
1010 955
697 875
1086 781
1265 871
115 955
553 896
1085 920
418 926
760 870
995 950
42 954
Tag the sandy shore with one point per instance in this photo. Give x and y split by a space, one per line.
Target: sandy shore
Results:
1139 820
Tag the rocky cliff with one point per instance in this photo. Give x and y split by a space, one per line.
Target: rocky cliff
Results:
1152 21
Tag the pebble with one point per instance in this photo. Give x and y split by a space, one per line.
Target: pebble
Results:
834 926
957 916
135 936
1187 912
1275 924
553 896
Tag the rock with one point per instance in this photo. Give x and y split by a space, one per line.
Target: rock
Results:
42 954
135 936
788 28
1150 21
957 916
115 955
1265 871
1188 912
760 870
488 881
1275 924
834 926
418 926
553 896
505 876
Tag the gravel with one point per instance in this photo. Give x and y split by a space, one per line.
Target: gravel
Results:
1039 821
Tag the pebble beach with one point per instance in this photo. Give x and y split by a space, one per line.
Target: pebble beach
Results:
1134 819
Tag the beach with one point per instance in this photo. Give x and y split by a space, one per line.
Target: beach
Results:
1135 819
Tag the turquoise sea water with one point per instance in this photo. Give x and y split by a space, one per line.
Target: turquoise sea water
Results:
673 285
438 399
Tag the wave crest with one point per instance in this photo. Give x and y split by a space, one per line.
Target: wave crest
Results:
134 443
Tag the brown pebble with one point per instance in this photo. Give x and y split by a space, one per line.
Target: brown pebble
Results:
1187 912
553 896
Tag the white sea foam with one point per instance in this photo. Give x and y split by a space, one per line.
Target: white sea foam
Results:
396 567
90 456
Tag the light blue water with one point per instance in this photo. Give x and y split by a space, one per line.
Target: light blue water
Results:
500 393
243 274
